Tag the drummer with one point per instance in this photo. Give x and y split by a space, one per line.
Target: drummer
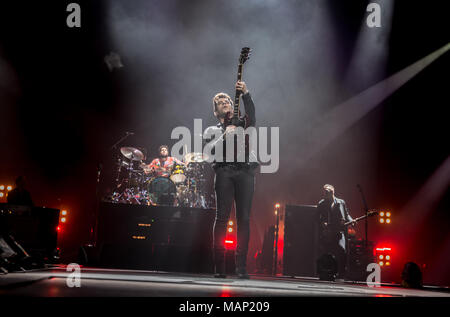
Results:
163 164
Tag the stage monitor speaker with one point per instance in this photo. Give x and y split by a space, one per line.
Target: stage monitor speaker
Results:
300 241
33 228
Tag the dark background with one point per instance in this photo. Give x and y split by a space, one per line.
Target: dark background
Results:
62 109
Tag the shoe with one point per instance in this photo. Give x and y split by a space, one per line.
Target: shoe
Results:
242 274
219 264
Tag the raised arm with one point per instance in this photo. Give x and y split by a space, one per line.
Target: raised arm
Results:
249 110
248 103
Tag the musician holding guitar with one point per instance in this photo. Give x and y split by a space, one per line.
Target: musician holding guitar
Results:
234 181
333 217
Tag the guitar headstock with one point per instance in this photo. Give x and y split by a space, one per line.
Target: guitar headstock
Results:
245 55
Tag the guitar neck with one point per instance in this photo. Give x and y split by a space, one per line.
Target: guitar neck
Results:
237 93
361 218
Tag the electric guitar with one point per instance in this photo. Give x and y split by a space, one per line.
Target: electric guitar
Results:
236 120
370 213
331 233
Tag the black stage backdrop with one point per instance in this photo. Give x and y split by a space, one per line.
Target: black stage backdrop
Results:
62 109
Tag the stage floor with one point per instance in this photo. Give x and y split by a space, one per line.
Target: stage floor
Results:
52 282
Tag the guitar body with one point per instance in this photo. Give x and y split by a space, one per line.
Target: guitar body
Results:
236 121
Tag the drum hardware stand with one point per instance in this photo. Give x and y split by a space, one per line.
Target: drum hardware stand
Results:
94 225
130 187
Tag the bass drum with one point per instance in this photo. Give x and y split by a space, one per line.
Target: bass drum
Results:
162 191
178 176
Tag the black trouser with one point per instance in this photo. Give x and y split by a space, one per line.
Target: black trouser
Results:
238 184
333 247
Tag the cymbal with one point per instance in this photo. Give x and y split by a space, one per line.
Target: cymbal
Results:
132 153
195 157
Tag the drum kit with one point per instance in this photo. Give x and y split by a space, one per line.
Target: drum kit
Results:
183 185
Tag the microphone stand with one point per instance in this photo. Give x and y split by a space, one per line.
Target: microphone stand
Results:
275 260
127 134
366 209
94 228
93 232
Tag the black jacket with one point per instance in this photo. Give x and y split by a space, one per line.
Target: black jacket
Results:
250 118
335 216
19 196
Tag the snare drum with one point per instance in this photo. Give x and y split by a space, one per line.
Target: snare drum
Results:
162 191
178 174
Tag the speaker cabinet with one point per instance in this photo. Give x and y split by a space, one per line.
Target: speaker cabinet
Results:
300 241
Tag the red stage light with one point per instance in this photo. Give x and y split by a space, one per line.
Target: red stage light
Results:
383 255
58 228
230 243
